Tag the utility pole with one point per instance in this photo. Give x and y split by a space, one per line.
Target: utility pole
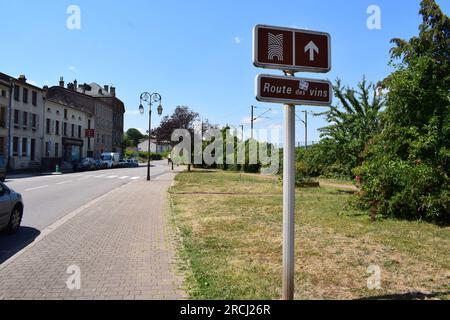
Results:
253 118
306 129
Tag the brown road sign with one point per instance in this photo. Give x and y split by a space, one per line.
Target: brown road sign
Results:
295 91
291 49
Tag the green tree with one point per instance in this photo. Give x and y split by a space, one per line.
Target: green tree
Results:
406 172
353 122
134 136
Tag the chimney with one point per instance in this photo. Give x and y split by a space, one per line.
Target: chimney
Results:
75 84
70 86
22 78
106 88
113 91
61 82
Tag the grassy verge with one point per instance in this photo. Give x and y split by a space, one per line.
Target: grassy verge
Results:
231 227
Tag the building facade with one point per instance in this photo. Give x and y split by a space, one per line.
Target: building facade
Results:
24 116
66 138
155 146
109 117
40 128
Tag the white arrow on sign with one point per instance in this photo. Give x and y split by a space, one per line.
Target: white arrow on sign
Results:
311 47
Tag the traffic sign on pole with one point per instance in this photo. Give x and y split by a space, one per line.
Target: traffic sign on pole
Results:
295 91
293 50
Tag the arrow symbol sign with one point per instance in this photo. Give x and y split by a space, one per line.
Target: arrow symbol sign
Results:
311 47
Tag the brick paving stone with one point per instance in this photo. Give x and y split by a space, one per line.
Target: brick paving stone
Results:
122 245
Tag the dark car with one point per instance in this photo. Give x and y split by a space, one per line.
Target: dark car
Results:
11 210
87 164
123 164
99 165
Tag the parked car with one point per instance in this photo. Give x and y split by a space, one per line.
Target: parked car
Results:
87 164
11 209
99 164
133 163
123 164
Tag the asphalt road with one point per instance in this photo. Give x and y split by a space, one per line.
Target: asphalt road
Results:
50 198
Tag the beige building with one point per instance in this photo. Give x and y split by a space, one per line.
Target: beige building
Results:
65 135
25 119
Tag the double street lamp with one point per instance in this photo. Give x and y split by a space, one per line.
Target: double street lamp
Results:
150 99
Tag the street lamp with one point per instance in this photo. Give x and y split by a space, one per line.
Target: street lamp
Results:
150 99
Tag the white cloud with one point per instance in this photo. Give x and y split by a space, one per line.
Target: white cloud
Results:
72 68
237 40
32 82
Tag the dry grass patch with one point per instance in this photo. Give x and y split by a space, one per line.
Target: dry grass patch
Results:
234 243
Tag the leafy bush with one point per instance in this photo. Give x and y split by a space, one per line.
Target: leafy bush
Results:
398 188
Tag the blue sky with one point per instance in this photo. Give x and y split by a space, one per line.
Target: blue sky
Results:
196 53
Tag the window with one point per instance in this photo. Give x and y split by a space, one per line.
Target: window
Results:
16 118
2 145
25 95
34 98
89 124
79 131
15 146
33 150
48 127
57 128
16 92
33 121
3 93
3 116
65 114
25 120
65 129
73 130
56 150
24 147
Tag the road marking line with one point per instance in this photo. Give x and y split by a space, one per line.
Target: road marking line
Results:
111 177
135 178
64 182
122 178
37 188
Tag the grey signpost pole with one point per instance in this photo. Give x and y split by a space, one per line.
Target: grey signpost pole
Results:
289 202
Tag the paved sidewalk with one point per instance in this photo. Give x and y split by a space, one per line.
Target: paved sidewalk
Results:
121 244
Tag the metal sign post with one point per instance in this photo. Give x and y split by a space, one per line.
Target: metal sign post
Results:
291 50
289 202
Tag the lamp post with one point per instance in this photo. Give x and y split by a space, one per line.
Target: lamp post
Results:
150 99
